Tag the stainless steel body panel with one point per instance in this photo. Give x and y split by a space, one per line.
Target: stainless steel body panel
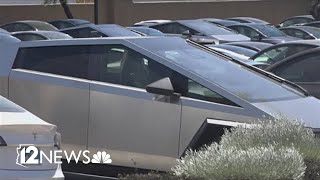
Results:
7 56
131 121
196 112
59 100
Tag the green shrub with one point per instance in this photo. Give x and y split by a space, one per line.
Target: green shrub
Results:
258 163
278 133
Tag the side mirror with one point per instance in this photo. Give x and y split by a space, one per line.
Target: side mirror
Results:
187 33
161 87
257 37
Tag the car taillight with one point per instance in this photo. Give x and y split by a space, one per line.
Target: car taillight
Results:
2 142
57 140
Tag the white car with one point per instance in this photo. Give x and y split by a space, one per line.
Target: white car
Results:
19 127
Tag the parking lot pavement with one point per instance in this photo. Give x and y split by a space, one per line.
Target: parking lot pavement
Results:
78 176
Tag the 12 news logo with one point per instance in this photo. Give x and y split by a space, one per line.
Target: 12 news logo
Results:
31 155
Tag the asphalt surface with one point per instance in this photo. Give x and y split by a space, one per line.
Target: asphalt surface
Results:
77 176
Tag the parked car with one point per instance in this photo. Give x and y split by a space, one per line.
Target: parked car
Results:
143 98
200 29
146 31
151 22
302 32
28 25
68 23
279 52
40 35
220 22
256 46
235 50
296 20
262 32
248 20
92 30
302 69
18 126
237 56
312 24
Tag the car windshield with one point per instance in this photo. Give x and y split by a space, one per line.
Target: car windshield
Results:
56 35
116 31
267 30
206 28
249 85
313 30
147 31
42 26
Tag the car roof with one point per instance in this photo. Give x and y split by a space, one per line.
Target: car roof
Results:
73 21
47 34
255 45
300 16
310 23
301 27
252 25
314 42
303 16
252 19
221 21
83 41
151 22
33 23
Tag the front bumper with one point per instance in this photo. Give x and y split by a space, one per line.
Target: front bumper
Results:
32 175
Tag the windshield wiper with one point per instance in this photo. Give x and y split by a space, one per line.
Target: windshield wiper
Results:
258 70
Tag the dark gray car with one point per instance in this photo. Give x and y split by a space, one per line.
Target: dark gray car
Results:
28 25
302 69
200 29
68 23
279 52
302 32
256 46
102 30
296 20
262 32
40 35
247 20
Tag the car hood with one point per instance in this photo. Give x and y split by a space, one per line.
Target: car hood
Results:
305 109
231 38
282 39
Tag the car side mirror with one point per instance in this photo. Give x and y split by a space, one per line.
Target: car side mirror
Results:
257 37
187 33
161 87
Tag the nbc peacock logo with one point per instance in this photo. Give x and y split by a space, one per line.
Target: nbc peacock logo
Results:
101 158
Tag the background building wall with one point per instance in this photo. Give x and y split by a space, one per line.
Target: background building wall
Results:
125 12
44 13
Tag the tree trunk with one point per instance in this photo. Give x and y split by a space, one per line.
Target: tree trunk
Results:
66 9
